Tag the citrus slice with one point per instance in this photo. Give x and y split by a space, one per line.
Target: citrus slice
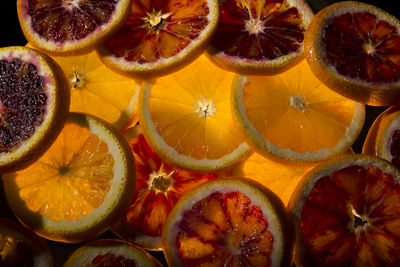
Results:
66 27
354 48
346 213
160 37
79 187
294 117
21 247
260 37
186 118
159 185
108 253
34 104
228 222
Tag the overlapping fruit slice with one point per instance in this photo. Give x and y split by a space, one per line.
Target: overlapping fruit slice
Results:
65 27
34 104
160 36
228 222
346 213
159 185
260 37
79 187
354 48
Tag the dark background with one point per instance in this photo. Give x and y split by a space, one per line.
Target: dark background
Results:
11 34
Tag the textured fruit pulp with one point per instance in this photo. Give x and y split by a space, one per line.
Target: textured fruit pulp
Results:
352 218
159 29
224 229
23 102
361 46
250 30
395 148
69 20
111 260
14 252
158 187
71 179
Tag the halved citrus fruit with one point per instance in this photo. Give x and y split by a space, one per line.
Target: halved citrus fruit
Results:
294 117
109 253
186 118
260 37
354 48
229 222
66 27
34 104
19 246
160 37
79 187
346 213
159 185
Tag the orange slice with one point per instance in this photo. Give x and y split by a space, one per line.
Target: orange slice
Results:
109 252
346 213
354 48
293 116
79 187
260 37
228 222
186 118
66 27
160 37
34 104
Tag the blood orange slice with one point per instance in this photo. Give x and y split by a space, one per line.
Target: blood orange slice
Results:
21 247
228 222
34 104
260 37
160 36
65 27
354 48
346 213
109 253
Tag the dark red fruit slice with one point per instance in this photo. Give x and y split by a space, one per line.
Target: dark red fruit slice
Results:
352 218
361 46
110 260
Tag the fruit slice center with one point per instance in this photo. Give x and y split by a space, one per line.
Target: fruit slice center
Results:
155 19
297 102
160 181
353 213
361 46
110 260
224 229
205 108
23 102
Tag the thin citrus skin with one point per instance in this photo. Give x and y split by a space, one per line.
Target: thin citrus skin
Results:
376 94
57 111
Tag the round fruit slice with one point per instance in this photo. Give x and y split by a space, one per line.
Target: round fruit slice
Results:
256 37
346 213
293 116
108 253
228 222
160 37
186 118
159 185
66 27
21 247
354 48
79 187
34 104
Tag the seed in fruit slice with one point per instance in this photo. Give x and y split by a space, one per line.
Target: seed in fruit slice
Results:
228 222
354 48
21 247
256 37
110 252
34 104
346 213
66 27
159 185
294 117
79 187
186 118
160 37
